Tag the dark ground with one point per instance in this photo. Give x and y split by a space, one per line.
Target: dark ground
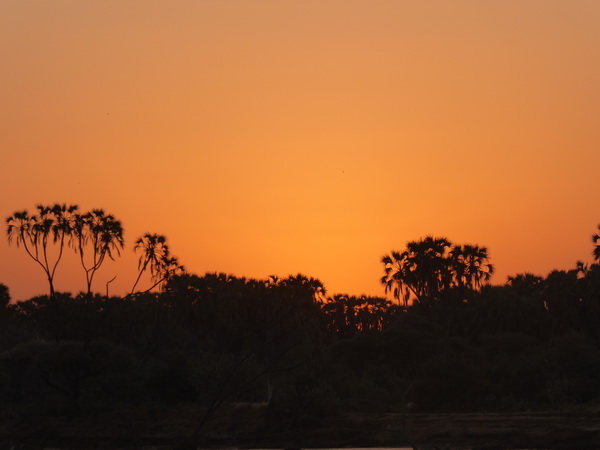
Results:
245 426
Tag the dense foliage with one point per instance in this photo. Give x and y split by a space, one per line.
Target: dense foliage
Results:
532 343
454 343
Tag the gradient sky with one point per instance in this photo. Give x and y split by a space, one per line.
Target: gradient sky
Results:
277 137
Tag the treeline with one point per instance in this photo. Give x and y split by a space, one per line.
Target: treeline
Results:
448 341
530 344
94 236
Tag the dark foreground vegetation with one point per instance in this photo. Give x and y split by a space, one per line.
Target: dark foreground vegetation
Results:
231 357
218 360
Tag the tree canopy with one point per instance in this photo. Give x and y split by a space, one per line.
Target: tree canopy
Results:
431 265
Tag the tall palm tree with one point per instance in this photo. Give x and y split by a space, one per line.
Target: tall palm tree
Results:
470 265
156 258
420 272
429 268
103 233
395 278
596 240
52 224
431 265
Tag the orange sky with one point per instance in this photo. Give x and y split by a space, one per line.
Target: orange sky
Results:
276 137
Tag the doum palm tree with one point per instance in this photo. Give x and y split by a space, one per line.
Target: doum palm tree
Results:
52 224
431 265
301 282
102 235
420 272
155 258
471 266
395 274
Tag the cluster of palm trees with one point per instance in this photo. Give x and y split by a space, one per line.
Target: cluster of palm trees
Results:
93 235
348 315
432 265
420 273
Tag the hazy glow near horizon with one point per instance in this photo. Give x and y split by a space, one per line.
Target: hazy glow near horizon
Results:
270 137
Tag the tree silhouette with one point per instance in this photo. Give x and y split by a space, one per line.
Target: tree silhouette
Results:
429 269
156 258
471 267
596 241
347 314
300 282
4 296
103 234
432 265
421 271
526 284
394 279
52 224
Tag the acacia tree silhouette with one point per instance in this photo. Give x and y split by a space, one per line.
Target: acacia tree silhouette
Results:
431 265
52 224
103 233
155 257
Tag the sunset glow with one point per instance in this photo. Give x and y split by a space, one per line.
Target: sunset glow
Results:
278 137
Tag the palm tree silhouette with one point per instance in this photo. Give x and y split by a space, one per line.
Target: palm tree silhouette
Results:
526 284
301 282
419 272
430 269
103 233
52 224
431 265
471 266
156 258
395 276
